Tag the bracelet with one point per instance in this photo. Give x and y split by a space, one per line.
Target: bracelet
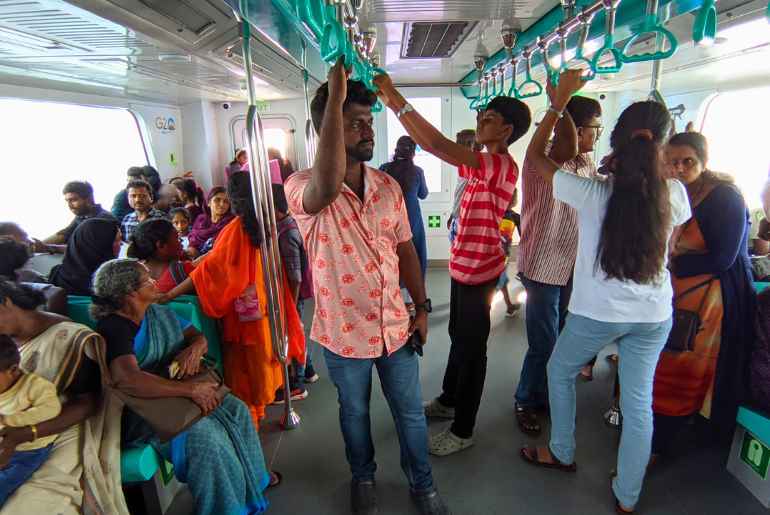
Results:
559 114
33 428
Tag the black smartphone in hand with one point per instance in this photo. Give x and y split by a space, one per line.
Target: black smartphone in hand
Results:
415 342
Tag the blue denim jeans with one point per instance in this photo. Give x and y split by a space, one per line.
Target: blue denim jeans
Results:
545 311
23 464
639 346
400 378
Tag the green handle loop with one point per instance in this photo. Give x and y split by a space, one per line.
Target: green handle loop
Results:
581 59
650 25
309 13
333 42
704 29
617 56
377 107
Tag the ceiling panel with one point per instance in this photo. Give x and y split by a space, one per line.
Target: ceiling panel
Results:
450 10
55 40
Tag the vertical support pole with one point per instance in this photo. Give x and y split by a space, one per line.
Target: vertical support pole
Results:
263 207
657 64
311 145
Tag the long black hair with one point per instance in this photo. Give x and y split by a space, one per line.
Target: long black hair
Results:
402 168
145 237
192 193
632 244
21 296
242 204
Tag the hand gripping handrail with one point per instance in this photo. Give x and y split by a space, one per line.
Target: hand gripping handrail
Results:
611 7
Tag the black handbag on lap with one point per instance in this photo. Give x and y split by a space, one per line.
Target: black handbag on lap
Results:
686 323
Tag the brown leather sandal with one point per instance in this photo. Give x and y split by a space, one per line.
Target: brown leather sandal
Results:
531 455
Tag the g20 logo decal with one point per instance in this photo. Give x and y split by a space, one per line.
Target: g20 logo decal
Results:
165 124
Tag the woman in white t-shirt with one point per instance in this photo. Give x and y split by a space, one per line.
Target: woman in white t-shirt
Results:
622 289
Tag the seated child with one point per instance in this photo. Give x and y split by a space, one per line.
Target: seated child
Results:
25 400
181 219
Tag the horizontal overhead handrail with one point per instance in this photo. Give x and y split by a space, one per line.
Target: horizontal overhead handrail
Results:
591 20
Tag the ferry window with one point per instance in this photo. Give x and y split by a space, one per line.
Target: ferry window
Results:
735 147
276 138
430 109
46 145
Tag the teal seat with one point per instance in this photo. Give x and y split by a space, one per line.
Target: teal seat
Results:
141 463
759 287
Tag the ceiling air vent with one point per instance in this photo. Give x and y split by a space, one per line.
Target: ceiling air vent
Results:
185 14
433 40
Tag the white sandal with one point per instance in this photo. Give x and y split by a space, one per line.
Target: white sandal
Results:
446 443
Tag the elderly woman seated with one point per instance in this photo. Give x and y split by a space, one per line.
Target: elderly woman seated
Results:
219 457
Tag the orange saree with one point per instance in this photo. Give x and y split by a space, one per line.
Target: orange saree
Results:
684 382
252 370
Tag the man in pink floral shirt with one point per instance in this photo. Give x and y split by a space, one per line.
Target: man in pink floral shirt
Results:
354 222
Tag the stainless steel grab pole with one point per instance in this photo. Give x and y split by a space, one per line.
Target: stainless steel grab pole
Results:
263 207
310 137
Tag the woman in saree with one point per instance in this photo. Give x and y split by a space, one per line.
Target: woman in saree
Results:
711 275
207 226
156 244
229 283
219 457
82 473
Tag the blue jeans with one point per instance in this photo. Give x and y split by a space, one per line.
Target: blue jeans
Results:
23 464
400 378
546 310
639 346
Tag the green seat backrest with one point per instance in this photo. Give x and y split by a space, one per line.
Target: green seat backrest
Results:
186 306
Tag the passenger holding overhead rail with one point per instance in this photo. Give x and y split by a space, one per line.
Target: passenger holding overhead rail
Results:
80 200
548 249
355 224
622 289
477 258
711 275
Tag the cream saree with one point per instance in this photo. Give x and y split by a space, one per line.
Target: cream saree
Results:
82 474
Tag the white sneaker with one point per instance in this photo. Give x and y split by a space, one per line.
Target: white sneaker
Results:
434 409
446 443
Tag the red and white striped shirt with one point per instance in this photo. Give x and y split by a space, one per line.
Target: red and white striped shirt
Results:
476 254
549 233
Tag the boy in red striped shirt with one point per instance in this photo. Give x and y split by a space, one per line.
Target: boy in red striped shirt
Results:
477 258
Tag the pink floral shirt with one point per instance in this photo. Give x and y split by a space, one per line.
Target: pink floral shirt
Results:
359 311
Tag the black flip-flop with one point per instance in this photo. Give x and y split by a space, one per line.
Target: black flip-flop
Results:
530 455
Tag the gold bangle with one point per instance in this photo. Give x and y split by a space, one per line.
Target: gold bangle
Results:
33 427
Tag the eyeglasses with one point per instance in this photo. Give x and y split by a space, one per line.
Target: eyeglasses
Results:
687 163
599 129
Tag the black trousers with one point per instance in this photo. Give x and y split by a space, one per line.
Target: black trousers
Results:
466 369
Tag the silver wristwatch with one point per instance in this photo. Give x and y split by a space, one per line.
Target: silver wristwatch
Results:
406 109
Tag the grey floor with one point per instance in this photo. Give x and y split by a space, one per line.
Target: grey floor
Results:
488 478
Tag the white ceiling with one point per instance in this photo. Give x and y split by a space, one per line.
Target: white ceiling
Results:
127 48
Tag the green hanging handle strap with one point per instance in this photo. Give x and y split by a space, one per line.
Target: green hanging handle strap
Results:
312 12
332 42
528 80
704 29
651 25
611 7
551 74
512 91
580 61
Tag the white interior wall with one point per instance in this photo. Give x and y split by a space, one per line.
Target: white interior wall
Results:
201 146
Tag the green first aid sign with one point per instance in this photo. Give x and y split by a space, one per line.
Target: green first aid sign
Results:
434 221
755 454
